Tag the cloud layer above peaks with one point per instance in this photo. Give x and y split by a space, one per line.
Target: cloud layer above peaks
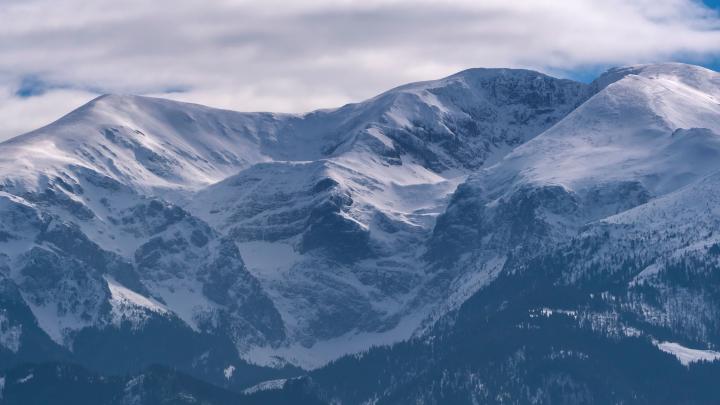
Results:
296 56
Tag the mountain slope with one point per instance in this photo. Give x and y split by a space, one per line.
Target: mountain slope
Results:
62 383
522 339
130 217
605 230
647 133
359 217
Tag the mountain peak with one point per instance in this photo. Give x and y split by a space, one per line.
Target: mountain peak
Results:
691 75
496 72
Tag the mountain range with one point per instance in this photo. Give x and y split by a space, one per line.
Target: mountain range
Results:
496 236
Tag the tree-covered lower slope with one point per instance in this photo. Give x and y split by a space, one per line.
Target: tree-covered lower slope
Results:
62 383
525 339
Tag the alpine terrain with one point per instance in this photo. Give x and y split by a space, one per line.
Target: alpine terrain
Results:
496 236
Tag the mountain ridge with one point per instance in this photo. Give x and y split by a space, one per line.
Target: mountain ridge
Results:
394 212
377 158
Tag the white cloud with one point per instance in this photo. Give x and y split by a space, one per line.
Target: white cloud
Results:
19 115
305 54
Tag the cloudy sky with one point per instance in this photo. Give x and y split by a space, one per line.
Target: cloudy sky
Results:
299 55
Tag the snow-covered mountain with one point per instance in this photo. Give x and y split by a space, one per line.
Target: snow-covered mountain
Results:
283 239
292 238
648 131
605 230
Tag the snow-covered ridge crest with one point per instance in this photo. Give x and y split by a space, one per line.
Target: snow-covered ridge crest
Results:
139 141
626 131
155 143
